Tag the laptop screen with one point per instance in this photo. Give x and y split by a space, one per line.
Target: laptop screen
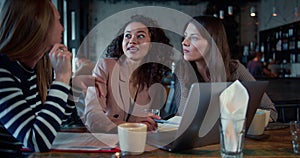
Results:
199 124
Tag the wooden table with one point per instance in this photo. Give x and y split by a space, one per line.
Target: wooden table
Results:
278 144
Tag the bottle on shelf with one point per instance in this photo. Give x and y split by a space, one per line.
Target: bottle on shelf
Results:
285 69
292 40
278 41
285 41
298 39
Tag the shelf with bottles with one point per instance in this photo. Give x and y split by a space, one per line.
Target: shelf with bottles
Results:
281 43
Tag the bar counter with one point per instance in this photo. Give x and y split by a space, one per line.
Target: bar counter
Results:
284 92
276 144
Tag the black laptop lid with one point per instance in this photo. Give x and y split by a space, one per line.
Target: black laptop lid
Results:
199 125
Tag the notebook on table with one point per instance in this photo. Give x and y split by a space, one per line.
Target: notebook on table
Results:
199 124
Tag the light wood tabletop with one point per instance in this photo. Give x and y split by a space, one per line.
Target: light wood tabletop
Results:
274 143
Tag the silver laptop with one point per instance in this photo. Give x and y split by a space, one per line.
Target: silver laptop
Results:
199 125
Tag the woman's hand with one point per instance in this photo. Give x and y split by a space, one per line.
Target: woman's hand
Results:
149 121
85 68
60 59
84 81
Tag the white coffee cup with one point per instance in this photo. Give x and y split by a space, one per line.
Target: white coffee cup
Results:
132 138
267 113
257 125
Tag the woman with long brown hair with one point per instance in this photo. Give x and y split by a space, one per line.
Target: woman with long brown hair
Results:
206 49
34 85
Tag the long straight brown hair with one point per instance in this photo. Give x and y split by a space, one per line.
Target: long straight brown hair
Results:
212 29
24 29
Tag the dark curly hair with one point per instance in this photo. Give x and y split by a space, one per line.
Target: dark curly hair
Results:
160 52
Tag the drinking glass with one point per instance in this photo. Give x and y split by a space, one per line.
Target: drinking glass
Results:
295 132
232 135
152 111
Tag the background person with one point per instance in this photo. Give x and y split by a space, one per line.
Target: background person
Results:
84 66
257 68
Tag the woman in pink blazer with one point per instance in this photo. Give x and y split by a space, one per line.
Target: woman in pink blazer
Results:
134 66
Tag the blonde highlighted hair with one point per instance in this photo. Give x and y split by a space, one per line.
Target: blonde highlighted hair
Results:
24 30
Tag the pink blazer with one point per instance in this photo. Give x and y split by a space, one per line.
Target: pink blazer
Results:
103 114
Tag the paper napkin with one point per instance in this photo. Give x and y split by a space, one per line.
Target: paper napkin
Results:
233 108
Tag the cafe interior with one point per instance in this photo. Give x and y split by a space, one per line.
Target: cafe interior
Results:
271 27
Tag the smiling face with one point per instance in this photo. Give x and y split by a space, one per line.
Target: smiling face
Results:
194 45
136 41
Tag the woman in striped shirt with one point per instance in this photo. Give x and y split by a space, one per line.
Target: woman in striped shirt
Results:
33 103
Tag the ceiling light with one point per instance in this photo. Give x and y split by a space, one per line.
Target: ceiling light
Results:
252 11
274 11
221 14
230 10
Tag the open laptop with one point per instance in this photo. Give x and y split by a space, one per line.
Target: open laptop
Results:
199 125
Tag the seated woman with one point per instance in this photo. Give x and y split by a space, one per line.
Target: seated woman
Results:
132 66
34 103
207 56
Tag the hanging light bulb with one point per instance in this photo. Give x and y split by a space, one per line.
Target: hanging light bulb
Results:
221 14
252 11
296 12
230 10
274 11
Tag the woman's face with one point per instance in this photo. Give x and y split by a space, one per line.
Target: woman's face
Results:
194 45
136 41
57 30
54 36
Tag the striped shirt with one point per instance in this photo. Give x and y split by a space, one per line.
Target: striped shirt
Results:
22 113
